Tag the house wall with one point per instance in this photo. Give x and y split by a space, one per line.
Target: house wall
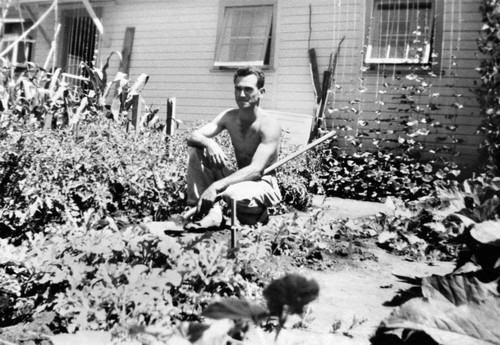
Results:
175 42
361 96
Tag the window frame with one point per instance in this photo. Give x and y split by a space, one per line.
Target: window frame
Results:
9 38
223 4
66 14
434 46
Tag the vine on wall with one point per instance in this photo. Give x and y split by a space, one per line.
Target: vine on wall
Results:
489 90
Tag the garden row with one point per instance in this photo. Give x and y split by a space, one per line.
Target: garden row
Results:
73 203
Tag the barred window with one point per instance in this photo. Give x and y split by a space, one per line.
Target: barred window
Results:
400 32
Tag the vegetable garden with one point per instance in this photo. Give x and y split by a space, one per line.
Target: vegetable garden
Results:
77 189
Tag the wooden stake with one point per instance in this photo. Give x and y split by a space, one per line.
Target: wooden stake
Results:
136 113
94 16
234 239
75 131
128 43
47 126
52 51
33 18
170 127
27 32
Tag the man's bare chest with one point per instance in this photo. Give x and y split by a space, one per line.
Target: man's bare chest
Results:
245 142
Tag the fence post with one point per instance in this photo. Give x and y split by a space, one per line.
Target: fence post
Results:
136 113
170 125
76 129
47 126
234 230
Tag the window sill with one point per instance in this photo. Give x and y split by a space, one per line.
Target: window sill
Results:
232 69
403 68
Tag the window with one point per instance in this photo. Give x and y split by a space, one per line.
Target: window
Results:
80 41
245 34
401 31
20 54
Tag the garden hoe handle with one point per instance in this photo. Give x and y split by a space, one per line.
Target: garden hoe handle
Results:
309 146
192 211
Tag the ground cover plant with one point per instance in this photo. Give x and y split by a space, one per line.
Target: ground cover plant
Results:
487 91
77 188
77 191
464 305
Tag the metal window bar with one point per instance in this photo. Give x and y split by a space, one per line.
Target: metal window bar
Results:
81 45
401 32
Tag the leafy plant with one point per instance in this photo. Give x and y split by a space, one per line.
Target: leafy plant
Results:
488 91
455 307
285 296
47 178
374 176
462 306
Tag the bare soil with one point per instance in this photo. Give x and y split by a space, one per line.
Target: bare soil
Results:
359 291
359 286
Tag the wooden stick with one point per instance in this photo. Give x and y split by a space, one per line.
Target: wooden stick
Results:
34 26
52 51
33 18
299 152
94 16
234 239
189 213
170 128
136 113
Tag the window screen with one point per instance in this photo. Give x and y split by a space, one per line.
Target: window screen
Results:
245 37
81 43
400 32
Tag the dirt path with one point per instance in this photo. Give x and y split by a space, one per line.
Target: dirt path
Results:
351 302
355 296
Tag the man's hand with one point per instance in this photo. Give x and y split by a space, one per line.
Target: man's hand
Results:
207 199
215 157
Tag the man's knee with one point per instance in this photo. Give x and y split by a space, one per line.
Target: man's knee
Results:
249 210
239 192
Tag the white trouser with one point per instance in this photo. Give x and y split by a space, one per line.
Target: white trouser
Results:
252 197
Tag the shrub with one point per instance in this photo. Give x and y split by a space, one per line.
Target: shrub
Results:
48 178
373 176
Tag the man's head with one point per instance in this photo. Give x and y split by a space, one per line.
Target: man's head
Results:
248 87
249 70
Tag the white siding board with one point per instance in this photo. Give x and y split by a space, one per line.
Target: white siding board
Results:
175 41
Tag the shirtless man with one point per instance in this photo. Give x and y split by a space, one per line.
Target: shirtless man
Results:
255 137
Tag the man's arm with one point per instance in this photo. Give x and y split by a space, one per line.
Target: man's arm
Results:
263 157
202 138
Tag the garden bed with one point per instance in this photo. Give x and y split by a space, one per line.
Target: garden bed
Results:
78 264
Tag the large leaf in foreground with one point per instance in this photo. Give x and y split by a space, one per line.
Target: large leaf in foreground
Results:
455 310
459 289
447 324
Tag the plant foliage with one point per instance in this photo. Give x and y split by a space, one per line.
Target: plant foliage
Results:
488 92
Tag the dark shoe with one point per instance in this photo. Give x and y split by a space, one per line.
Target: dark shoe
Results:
252 218
212 220
263 217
